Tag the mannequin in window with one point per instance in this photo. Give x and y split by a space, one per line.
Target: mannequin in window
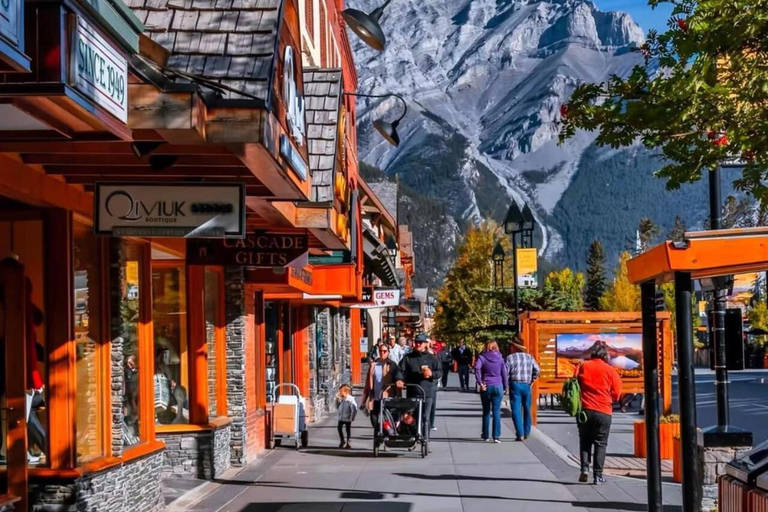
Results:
170 398
130 425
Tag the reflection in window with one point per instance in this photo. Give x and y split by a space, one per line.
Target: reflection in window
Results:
87 332
169 311
128 330
213 321
271 318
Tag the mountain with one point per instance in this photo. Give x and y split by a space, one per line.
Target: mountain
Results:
484 81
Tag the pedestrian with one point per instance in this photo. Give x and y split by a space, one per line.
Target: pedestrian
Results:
404 346
395 351
381 375
600 385
463 357
419 367
434 349
445 360
374 354
523 370
347 407
491 375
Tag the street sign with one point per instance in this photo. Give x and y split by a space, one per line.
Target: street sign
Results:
385 298
191 210
257 249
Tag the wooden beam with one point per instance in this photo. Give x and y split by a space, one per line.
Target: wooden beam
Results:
107 148
150 108
128 160
145 170
281 213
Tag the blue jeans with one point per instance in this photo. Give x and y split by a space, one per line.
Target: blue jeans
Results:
520 403
491 399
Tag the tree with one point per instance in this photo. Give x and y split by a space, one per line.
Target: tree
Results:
647 231
700 97
563 291
621 295
596 280
677 233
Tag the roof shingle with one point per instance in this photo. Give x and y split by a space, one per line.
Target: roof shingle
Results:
322 102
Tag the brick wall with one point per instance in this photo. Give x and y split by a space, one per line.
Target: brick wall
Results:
127 488
203 454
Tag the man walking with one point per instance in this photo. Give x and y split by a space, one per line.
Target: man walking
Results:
445 360
523 370
420 367
463 357
395 350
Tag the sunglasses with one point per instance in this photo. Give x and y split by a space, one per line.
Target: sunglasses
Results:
384 350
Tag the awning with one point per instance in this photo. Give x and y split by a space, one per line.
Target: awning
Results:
377 255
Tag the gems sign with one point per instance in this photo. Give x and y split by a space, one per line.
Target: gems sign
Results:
386 298
98 71
10 21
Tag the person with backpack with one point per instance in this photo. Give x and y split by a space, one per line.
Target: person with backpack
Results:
599 386
523 371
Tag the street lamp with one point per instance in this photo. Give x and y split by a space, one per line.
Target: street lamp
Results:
367 26
518 222
499 255
386 129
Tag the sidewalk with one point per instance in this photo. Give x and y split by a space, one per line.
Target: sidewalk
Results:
461 474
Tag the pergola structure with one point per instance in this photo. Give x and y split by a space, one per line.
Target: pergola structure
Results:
704 254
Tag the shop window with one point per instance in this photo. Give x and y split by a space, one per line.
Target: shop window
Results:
171 373
88 330
271 324
128 330
215 338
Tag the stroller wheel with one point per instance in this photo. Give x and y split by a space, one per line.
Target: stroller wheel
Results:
424 449
375 449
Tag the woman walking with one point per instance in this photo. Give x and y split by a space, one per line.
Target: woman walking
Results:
382 373
600 385
491 375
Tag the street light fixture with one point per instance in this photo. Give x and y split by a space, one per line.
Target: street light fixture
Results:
366 26
518 222
386 129
499 255
514 219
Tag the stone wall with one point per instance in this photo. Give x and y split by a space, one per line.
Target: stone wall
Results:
127 488
236 324
712 462
204 454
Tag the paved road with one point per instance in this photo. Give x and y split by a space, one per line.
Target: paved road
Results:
748 401
461 474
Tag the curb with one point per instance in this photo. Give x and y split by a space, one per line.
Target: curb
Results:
554 447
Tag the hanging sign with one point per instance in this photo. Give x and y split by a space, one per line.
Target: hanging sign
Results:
10 20
368 294
363 345
98 71
257 249
294 102
192 210
386 298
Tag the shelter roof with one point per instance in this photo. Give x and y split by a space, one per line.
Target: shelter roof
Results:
230 42
703 254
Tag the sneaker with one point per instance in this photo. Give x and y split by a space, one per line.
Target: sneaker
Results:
348 446
519 439
599 480
342 444
433 429
583 477
497 440
485 440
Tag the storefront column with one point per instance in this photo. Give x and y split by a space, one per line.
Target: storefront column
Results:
356 332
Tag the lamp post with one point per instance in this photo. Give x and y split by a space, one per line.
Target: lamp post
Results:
499 255
386 129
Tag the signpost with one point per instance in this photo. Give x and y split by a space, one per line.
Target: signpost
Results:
192 210
97 70
257 249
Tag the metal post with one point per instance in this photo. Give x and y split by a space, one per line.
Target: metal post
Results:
686 388
514 280
651 381
719 306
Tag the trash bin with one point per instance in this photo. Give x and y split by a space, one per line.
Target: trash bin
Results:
749 466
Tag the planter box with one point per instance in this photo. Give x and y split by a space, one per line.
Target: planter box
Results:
667 432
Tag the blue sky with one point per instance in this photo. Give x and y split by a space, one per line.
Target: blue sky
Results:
640 11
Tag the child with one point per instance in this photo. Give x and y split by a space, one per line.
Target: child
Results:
347 411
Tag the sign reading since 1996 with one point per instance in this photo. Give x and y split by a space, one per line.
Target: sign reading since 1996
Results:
10 21
98 70
194 210
257 249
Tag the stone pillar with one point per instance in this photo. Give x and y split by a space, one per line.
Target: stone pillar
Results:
236 337
117 367
712 462
325 383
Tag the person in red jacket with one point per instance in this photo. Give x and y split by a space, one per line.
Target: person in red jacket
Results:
600 385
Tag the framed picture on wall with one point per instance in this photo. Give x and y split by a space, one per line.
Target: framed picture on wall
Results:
624 349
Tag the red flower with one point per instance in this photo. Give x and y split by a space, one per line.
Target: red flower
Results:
563 111
721 140
682 24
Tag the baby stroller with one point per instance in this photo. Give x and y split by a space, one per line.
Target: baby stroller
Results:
402 424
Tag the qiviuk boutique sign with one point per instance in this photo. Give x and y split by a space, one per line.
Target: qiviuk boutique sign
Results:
98 71
193 210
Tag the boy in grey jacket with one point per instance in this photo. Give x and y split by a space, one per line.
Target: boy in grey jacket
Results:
347 407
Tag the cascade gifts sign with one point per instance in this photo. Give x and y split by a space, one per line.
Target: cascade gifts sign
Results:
257 249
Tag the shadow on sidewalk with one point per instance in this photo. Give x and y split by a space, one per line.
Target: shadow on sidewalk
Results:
327 506
350 454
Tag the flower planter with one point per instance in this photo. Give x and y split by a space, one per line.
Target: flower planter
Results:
677 460
667 432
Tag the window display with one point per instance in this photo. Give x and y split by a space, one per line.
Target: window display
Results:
214 323
130 254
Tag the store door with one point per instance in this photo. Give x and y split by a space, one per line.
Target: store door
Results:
13 403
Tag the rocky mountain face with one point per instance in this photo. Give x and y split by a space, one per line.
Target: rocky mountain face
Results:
484 81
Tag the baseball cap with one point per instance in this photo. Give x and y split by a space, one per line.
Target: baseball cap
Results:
421 338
